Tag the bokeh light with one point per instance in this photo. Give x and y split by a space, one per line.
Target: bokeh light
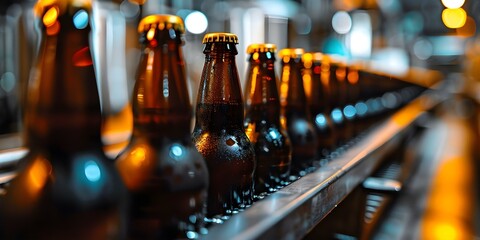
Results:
341 22
453 3
196 22
454 18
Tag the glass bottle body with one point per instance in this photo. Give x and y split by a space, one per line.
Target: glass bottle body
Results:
65 187
262 125
219 134
166 177
295 112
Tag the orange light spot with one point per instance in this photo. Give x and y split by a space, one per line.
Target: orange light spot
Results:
82 58
469 29
37 175
352 77
54 29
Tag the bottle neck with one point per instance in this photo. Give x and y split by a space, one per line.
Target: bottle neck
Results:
295 94
219 101
161 104
63 106
261 94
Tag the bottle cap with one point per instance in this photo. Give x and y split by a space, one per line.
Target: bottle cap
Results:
220 37
161 21
58 7
291 52
262 47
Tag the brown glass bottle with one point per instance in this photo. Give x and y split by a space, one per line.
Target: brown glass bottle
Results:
320 102
262 121
219 133
166 176
295 112
65 188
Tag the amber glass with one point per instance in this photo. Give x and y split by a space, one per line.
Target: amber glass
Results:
295 112
219 133
320 103
165 175
262 121
65 188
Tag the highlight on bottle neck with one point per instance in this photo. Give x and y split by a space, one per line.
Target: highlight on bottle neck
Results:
289 54
161 27
52 12
262 51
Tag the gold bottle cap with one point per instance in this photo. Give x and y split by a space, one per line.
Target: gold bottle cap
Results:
261 47
220 37
291 52
161 21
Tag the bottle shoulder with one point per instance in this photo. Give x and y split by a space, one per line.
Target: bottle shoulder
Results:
171 165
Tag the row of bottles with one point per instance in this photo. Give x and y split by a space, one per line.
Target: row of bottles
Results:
167 183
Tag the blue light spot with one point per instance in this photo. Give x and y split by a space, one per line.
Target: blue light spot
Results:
80 19
192 235
176 151
321 120
349 111
273 134
172 33
269 55
337 115
92 171
361 108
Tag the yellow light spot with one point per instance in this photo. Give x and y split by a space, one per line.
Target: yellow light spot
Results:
50 17
254 80
307 60
454 18
255 56
284 85
151 34
453 3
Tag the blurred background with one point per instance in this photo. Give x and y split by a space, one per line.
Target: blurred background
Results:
417 39
387 35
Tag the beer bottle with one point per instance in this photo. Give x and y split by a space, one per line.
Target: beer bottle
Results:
219 134
262 121
166 177
339 99
320 103
295 112
65 187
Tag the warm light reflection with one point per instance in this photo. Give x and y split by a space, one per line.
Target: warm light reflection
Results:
454 18
135 166
254 77
450 207
151 34
284 84
307 83
307 60
54 29
255 56
50 17
453 3
352 76
37 175
469 29
82 58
